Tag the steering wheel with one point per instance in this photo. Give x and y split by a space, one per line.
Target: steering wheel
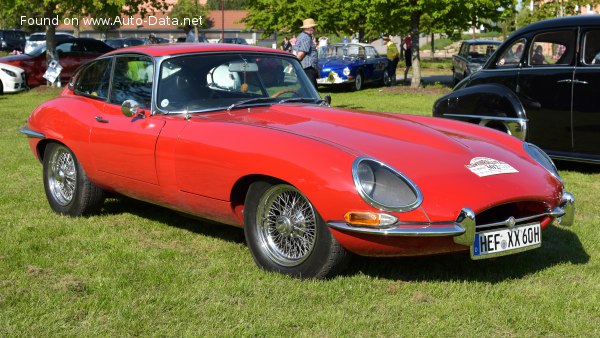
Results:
281 92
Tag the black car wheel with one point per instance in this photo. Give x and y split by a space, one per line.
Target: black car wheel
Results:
286 234
67 187
358 82
387 80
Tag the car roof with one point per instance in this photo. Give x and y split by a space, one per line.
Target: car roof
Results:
568 21
186 48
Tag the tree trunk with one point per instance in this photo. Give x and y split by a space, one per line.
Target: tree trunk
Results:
51 53
415 19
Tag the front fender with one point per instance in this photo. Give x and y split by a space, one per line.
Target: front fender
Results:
490 105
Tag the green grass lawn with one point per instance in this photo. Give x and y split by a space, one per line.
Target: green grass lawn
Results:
140 270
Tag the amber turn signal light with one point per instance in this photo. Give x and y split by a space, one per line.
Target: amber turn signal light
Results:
369 219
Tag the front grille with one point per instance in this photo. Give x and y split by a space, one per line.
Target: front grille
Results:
520 212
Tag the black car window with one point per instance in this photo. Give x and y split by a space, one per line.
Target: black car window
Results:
511 56
93 80
132 80
552 48
591 47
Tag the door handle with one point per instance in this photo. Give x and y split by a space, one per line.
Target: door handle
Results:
564 81
580 82
101 120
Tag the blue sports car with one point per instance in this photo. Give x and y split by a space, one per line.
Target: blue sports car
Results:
352 63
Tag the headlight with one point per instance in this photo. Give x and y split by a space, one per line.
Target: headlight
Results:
542 158
346 71
384 187
10 73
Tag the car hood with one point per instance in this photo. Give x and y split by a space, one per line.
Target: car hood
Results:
11 68
434 153
336 62
13 59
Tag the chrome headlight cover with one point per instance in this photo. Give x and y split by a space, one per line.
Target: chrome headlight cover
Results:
384 187
542 158
346 71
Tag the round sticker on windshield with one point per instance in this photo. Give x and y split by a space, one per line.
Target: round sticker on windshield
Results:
164 103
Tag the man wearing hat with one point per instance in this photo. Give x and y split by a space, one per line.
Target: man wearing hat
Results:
307 51
393 56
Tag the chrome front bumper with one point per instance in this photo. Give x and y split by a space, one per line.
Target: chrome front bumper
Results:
463 228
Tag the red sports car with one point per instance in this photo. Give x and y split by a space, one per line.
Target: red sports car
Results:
72 53
238 134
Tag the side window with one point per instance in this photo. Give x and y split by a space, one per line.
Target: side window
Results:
371 53
463 50
94 79
553 48
132 80
511 57
591 47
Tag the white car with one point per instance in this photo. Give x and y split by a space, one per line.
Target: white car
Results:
12 79
37 39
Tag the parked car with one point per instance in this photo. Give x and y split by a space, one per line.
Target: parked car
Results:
541 86
124 42
354 64
72 53
37 39
12 79
213 132
12 39
471 57
238 41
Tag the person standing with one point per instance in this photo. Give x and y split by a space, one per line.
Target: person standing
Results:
393 56
307 50
286 45
189 34
323 44
407 43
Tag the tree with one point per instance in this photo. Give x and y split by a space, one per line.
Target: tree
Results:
60 9
552 9
229 4
185 9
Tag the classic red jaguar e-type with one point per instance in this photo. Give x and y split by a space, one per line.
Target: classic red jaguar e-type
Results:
239 135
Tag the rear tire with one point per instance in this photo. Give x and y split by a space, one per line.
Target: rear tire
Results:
387 80
286 234
358 82
68 190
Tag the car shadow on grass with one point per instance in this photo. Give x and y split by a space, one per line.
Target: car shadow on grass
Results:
120 205
559 246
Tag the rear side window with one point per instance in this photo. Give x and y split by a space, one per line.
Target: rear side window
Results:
511 57
94 79
552 48
591 47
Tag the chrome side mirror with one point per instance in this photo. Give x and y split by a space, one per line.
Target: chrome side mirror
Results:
130 108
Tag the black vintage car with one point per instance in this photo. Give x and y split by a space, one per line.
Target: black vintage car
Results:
471 57
541 85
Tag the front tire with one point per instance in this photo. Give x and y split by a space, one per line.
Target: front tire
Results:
286 234
68 190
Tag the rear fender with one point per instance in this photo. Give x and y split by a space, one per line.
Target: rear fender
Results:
491 105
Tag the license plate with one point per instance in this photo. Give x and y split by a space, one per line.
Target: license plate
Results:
495 243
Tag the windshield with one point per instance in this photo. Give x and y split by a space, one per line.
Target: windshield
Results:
346 50
219 81
38 50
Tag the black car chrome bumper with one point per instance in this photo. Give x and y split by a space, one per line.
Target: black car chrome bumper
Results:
464 227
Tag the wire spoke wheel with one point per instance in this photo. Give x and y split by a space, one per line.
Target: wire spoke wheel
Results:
62 176
287 225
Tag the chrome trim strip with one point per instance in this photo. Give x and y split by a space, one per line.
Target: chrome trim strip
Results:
31 133
554 213
494 118
403 229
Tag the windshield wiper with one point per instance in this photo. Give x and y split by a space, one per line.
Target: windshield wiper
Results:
300 99
253 100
